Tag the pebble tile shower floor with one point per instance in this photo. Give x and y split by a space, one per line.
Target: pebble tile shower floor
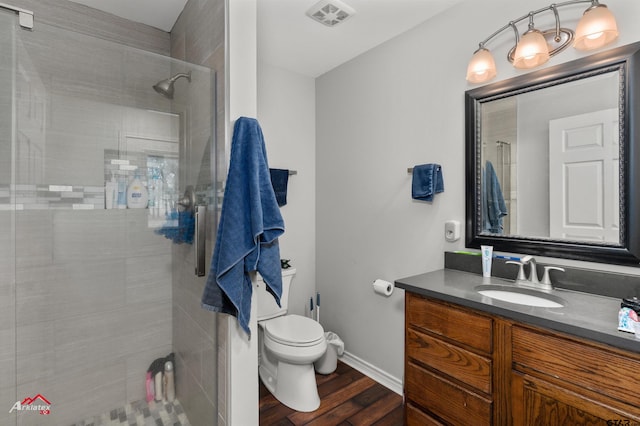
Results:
140 413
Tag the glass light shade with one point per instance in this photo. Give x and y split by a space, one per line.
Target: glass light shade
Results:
531 51
596 28
481 67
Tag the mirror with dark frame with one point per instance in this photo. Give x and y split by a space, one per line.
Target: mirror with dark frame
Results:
553 162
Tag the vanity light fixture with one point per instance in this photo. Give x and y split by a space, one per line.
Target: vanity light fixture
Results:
596 28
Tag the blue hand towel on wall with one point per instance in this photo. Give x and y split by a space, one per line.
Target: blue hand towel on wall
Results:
250 224
427 181
280 180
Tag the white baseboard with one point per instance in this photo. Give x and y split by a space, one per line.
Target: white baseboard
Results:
380 376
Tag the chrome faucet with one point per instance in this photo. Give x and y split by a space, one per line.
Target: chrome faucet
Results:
533 272
533 280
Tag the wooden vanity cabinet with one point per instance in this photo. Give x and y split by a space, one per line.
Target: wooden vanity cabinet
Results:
466 367
448 364
562 380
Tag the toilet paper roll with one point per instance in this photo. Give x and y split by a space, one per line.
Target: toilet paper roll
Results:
383 287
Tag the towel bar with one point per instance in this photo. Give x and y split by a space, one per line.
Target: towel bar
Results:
293 172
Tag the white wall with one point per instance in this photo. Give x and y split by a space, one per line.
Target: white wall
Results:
241 80
397 105
286 111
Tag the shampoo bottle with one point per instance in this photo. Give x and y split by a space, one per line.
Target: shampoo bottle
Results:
157 379
150 387
122 193
110 193
137 194
169 382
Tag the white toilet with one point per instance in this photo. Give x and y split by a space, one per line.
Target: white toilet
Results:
289 345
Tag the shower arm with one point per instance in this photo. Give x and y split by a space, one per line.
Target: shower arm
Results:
177 76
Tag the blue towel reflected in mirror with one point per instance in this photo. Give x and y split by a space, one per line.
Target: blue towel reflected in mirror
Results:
493 206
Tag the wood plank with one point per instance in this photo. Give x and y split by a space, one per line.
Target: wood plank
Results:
337 415
394 418
363 403
275 415
377 410
372 395
331 401
341 381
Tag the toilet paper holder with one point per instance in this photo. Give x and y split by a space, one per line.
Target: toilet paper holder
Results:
382 287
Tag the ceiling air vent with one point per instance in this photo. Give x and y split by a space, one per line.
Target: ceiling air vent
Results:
330 12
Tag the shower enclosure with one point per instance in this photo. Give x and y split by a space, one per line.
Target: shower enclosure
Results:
90 291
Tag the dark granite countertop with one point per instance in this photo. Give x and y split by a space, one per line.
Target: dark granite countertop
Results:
584 315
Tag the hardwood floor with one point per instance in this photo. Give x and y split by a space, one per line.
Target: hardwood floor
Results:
347 398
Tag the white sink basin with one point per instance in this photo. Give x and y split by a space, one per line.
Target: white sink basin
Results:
521 296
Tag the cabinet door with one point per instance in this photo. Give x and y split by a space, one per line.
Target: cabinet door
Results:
537 402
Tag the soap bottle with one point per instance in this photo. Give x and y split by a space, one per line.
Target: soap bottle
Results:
169 382
137 194
122 193
111 193
158 379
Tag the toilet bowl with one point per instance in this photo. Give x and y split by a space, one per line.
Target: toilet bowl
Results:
288 347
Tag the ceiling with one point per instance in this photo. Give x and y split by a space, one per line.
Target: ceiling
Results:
157 13
288 38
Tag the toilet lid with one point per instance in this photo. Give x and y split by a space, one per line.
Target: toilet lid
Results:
294 330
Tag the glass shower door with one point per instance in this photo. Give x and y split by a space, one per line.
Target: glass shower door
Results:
93 277
8 26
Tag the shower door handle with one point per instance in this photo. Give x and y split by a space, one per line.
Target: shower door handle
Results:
199 239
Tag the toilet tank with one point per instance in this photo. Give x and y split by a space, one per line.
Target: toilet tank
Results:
267 306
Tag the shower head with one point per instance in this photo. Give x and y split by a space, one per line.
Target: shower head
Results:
165 87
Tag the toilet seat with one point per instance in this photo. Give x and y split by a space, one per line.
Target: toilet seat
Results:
294 330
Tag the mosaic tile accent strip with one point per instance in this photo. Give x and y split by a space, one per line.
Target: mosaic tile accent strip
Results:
141 413
43 197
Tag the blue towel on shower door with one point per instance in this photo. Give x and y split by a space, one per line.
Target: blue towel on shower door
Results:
250 224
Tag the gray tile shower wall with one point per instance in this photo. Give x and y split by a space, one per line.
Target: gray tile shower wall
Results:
85 20
93 308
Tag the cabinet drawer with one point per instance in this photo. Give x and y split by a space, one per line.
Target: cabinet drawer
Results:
415 417
456 362
450 321
605 372
445 399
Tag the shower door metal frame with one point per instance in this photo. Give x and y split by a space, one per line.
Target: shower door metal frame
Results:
25 17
